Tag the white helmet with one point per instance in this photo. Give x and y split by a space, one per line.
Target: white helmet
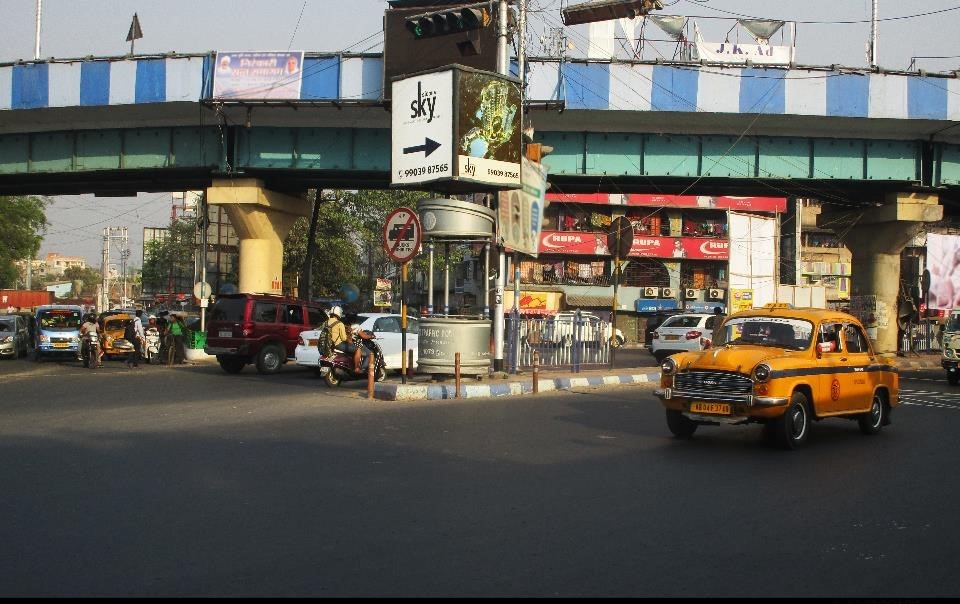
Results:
336 311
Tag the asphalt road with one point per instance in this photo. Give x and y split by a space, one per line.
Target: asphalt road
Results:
189 482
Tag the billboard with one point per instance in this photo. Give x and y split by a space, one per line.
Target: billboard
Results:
943 262
753 257
520 211
595 244
258 75
456 129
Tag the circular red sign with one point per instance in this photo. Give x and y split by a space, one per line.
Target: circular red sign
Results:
402 235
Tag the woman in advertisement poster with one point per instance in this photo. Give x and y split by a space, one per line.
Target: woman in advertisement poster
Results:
943 262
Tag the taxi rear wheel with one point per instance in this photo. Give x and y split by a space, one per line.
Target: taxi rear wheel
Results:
953 378
871 421
790 430
679 424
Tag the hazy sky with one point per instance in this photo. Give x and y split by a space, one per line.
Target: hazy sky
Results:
78 28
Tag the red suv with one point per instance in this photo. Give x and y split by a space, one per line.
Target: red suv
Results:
258 328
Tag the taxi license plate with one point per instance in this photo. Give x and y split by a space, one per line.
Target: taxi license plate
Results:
715 408
226 334
61 345
671 337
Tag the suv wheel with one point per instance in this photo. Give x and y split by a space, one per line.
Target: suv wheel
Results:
270 358
231 364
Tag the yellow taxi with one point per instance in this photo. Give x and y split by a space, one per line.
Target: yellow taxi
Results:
114 325
782 367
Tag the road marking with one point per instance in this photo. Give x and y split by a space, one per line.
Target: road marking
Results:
928 398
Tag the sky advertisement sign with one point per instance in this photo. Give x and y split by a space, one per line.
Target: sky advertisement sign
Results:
456 128
258 75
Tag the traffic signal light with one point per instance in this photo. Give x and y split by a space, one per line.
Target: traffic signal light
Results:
449 21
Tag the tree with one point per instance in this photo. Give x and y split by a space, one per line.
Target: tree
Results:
89 277
168 263
348 239
22 223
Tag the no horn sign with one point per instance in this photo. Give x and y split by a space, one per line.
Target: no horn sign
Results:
402 235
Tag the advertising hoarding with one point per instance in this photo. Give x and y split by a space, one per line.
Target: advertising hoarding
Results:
520 211
595 244
456 129
258 75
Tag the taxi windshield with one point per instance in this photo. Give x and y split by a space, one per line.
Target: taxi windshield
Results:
778 332
59 319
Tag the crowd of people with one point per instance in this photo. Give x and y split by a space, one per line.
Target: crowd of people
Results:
162 339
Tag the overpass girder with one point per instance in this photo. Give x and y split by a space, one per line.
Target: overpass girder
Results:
656 155
322 149
107 150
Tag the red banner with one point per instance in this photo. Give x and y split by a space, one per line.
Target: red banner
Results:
595 244
707 202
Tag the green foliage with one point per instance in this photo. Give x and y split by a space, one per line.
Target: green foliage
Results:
349 239
89 276
22 223
171 257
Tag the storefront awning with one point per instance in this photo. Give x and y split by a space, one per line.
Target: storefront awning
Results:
579 300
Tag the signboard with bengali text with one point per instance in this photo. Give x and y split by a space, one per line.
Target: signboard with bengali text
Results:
258 75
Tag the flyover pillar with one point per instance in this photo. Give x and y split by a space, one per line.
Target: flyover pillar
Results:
875 237
262 218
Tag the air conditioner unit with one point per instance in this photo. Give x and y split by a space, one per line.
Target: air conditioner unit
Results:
651 292
715 294
668 292
689 294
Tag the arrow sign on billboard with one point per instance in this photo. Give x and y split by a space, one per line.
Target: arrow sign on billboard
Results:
429 146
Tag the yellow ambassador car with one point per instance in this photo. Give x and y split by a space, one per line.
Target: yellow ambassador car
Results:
781 367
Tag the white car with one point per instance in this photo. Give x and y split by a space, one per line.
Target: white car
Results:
681 333
385 326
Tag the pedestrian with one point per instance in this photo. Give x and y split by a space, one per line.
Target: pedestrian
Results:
133 333
151 336
178 330
163 328
717 311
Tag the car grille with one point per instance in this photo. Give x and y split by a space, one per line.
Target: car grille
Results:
712 382
61 340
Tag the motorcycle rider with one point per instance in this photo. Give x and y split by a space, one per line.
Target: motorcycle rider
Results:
91 327
341 341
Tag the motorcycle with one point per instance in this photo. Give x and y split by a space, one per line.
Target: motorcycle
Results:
339 366
90 350
151 349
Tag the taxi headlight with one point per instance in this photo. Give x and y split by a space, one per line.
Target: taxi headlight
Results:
6 340
761 373
668 366
949 353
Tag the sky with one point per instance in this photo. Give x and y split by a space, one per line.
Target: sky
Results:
828 32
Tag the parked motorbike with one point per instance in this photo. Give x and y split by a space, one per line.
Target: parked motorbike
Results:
152 344
90 350
339 366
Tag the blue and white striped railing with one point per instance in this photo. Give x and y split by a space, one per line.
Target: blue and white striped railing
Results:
579 84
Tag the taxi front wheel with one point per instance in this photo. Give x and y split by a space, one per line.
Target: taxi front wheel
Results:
679 424
790 429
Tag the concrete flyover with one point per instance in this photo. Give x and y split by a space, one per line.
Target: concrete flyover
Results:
852 137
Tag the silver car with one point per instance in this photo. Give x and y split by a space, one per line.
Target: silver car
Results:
682 333
14 336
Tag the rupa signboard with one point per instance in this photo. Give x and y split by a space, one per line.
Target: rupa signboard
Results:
455 129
